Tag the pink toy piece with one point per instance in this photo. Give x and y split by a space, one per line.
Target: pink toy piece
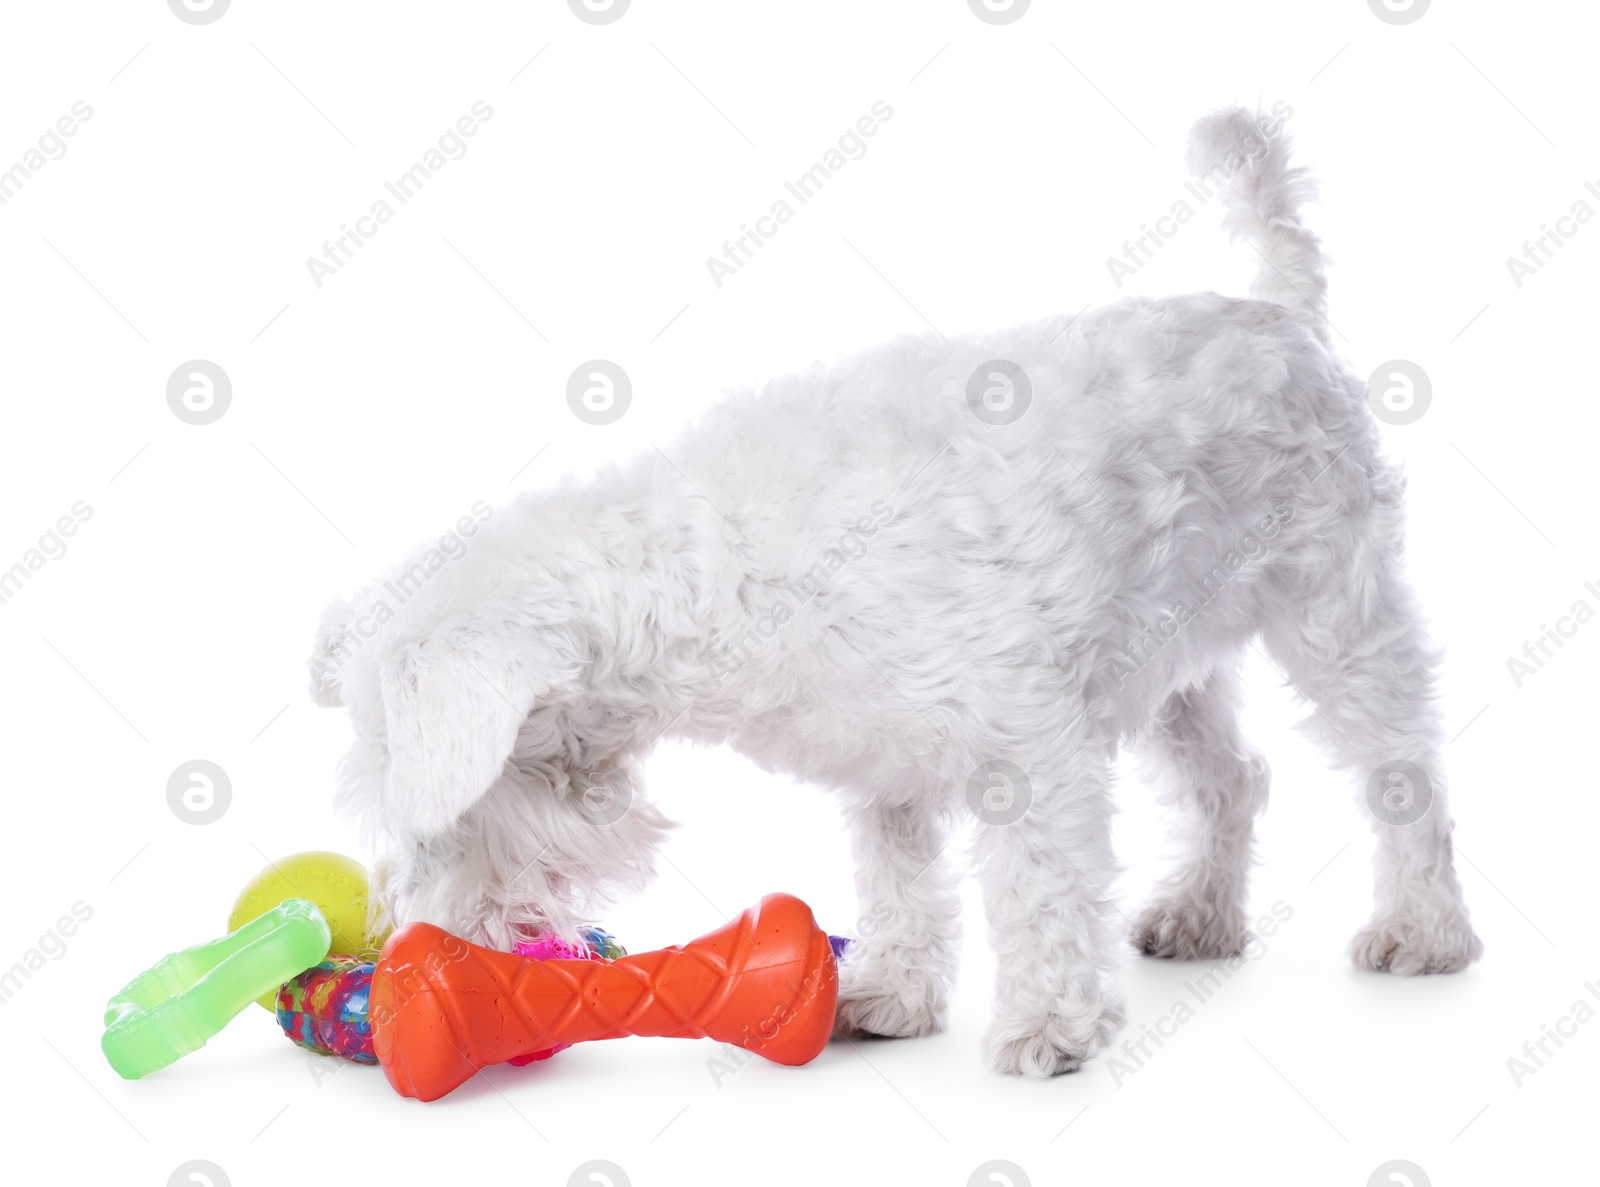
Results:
549 946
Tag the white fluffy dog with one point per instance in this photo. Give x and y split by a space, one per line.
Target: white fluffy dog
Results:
940 577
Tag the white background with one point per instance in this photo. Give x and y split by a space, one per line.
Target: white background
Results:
369 413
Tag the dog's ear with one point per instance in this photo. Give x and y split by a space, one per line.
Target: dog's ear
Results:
333 646
452 705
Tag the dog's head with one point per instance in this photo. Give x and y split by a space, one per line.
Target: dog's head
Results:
504 788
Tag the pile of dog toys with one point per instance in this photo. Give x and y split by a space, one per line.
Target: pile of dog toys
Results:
432 1009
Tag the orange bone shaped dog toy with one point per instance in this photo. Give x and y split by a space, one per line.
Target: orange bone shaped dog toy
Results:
442 1008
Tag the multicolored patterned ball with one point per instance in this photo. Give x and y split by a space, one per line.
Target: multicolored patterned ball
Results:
324 1009
603 944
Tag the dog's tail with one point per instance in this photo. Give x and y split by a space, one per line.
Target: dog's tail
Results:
1246 158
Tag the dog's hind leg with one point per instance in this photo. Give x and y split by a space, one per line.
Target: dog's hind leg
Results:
1047 870
896 978
1218 783
1354 644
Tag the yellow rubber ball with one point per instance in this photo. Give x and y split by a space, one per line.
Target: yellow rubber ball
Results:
335 883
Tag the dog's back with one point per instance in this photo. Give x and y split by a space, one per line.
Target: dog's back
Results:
1073 487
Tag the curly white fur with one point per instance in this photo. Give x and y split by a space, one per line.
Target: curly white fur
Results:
855 579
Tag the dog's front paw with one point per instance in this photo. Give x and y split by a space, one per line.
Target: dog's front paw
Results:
888 994
1046 1045
1417 941
1184 928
